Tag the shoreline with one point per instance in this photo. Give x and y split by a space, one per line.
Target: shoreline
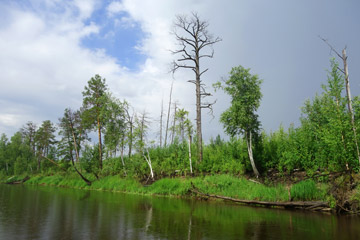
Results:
214 188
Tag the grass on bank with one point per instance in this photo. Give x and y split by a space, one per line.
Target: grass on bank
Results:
224 185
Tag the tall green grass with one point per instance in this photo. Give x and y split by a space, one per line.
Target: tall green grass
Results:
224 185
307 190
240 188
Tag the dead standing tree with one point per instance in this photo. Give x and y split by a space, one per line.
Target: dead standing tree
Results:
194 43
345 71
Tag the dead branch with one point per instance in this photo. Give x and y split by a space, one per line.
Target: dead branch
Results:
296 204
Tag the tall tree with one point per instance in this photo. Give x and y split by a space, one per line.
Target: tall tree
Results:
115 124
4 162
28 131
94 104
194 42
73 133
241 117
45 138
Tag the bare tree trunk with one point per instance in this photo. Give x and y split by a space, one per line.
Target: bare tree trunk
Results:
161 120
250 152
100 145
198 120
39 161
192 40
130 138
174 124
168 114
348 94
191 171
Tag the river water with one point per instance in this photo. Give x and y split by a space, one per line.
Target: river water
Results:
37 212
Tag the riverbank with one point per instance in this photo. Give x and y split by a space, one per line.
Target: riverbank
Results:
219 185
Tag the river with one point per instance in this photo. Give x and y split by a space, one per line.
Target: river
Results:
38 212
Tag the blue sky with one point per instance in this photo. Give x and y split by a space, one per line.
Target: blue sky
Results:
119 39
51 48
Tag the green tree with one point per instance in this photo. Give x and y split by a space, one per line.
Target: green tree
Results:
115 125
4 161
181 118
241 116
325 125
94 104
73 134
45 138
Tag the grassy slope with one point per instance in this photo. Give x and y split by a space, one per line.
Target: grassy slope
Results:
224 185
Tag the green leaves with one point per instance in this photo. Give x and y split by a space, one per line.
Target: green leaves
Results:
244 90
94 102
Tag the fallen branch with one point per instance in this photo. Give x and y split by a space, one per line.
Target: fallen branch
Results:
19 181
53 162
318 205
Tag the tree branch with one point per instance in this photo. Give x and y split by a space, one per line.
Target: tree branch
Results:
331 47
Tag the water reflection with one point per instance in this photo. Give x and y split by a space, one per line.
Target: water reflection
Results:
53 213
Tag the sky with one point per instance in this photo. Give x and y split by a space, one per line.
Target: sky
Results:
49 49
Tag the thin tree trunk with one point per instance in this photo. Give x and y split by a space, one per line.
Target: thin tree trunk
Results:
191 171
122 156
161 120
348 93
168 114
88 182
39 161
53 162
100 144
250 152
198 105
148 160
130 138
174 123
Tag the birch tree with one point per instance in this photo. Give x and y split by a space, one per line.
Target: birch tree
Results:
241 117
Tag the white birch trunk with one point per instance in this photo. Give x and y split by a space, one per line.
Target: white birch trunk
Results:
148 161
191 171
250 152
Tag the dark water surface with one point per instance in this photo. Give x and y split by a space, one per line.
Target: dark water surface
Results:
35 212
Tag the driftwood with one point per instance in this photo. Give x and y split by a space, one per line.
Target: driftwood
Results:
309 205
19 181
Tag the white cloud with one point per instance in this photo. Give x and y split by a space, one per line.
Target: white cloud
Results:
44 64
115 8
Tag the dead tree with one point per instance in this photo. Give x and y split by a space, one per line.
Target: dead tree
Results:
130 125
168 114
174 124
345 71
161 120
194 41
